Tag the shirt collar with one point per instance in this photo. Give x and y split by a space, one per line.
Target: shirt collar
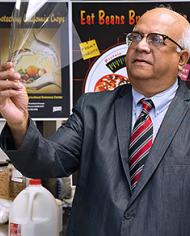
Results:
160 100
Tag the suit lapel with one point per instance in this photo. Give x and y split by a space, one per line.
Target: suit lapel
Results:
123 115
169 127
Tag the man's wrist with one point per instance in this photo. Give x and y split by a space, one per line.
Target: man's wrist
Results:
19 131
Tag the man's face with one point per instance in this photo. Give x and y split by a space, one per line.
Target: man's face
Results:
145 62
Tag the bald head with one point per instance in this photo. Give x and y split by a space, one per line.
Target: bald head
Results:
165 14
171 22
153 62
168 22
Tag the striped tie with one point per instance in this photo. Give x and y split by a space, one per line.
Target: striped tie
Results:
140 142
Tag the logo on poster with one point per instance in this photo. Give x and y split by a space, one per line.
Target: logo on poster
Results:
57 108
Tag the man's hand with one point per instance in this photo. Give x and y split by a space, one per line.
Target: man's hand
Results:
13 101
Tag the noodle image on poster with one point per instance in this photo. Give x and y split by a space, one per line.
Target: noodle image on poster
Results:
38 62
39 49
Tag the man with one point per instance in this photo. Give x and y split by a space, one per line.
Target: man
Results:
111 198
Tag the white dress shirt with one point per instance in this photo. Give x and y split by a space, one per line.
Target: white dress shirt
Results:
161 103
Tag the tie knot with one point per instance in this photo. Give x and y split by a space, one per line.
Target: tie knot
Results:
147 105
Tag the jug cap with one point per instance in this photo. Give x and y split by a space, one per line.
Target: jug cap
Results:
35 181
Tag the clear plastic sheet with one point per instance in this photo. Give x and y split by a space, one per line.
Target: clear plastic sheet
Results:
35 45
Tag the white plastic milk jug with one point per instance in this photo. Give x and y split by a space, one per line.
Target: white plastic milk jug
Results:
34 212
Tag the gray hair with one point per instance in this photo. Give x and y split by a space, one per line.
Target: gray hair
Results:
185 40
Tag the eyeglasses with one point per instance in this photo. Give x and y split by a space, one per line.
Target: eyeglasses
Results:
153 39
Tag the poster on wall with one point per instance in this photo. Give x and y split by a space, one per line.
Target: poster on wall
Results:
99 59
39 49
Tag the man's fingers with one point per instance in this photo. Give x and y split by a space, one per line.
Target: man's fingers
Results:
9 93
6 66
7 72
8 84
9 75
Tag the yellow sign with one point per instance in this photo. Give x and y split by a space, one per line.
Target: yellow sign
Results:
89 49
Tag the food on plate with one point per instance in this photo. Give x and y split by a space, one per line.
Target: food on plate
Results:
31 73
110 82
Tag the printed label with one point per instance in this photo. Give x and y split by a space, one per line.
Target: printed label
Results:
89 49
15 229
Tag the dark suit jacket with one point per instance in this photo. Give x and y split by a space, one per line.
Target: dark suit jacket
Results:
95 140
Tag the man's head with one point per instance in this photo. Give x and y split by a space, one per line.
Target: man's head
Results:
153 61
